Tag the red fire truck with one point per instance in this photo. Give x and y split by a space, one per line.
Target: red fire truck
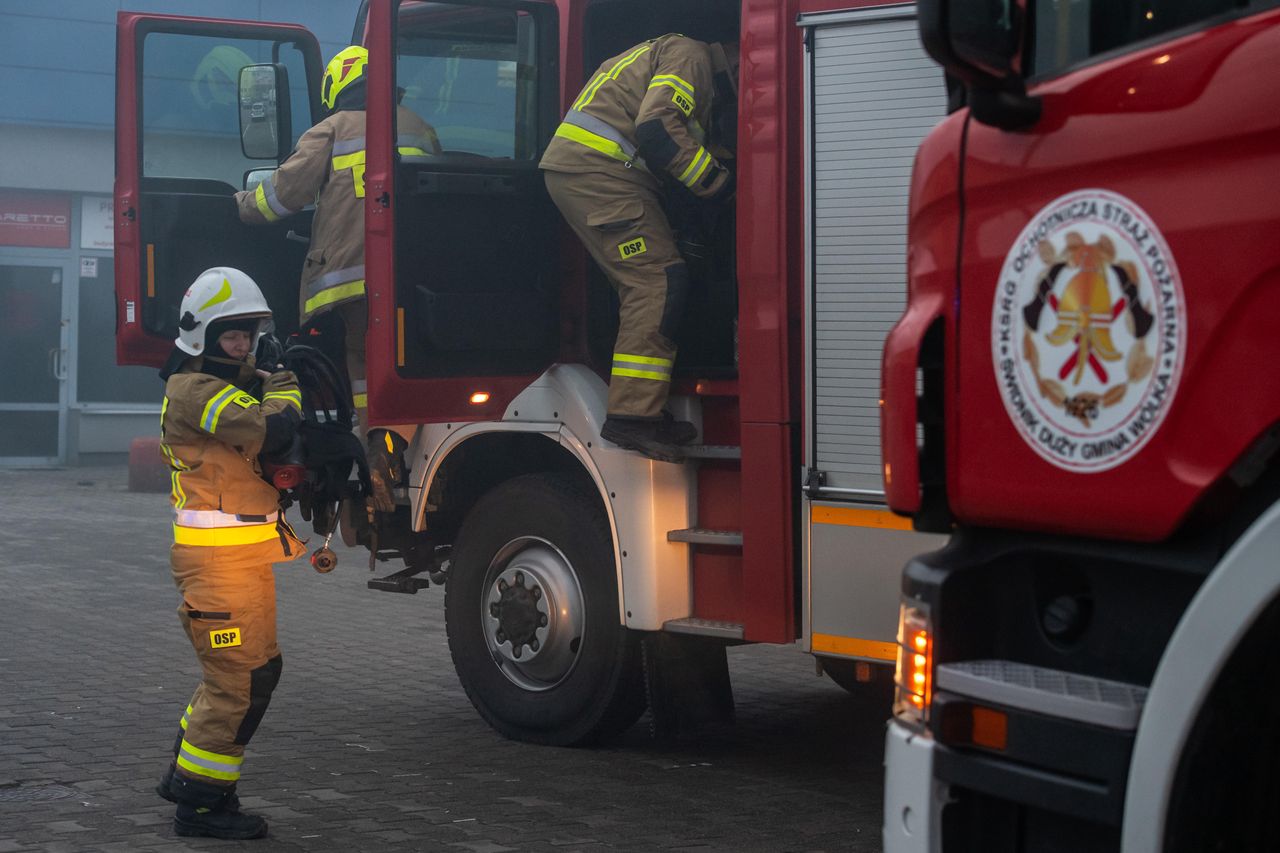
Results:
1087 665
576 569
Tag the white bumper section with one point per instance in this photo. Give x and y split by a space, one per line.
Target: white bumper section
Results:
913 800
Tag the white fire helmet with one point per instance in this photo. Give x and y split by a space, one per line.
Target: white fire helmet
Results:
220 293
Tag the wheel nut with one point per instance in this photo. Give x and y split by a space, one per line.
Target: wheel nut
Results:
542 620
494 610
516 651
519 578
533 644
537 593
502 636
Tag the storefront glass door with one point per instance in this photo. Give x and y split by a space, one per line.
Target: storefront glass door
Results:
34 327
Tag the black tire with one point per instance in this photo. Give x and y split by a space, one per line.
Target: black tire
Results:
578 678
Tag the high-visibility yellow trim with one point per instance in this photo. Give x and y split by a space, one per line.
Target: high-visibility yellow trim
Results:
582 136
293 396
641 374
360 401
346 161
250 534
410 151
213 408
612 73
643 359
260 199
850 517
696 167
192 767
178 495
675 81
235 760
335 294
855 647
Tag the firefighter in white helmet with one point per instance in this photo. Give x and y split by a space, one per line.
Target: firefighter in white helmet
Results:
228 530
327 169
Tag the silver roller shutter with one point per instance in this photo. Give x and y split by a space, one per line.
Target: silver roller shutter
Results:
874 96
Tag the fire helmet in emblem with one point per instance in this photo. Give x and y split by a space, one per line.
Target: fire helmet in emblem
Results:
1088 331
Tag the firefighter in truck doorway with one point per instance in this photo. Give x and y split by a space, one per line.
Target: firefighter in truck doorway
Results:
637 132
327 169
228 530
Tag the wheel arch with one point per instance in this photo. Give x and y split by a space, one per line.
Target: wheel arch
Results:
1215 626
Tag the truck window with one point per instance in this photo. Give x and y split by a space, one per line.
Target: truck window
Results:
467 72
190 119
1070 31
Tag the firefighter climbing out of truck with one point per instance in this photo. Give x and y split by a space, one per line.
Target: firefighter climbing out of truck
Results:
641 120
228 530
327 169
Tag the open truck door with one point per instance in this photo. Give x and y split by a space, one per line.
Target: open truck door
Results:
461 244
181 156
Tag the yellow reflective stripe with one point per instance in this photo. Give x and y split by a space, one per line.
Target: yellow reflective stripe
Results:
697 166
593 140
334 294
213 536
164 407
211 764
590 92
409 151
294 397
260 199
643 359
641 374
179 496
346 161
213 408
360 401
674 81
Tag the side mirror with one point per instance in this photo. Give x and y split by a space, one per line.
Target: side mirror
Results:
253 177
265 127
982 42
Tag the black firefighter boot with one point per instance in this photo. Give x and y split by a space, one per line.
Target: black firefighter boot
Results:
165 789
656 438
386 467
212 811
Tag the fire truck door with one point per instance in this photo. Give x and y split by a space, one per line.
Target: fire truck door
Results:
462 255
179 161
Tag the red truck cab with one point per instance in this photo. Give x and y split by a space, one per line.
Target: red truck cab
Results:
1079 392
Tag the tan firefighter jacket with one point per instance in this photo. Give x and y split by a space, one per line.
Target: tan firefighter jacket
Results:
327 169
211 433
644 112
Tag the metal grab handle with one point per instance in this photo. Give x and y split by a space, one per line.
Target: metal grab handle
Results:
55 364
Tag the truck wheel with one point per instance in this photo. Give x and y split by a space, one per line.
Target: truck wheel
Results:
531 611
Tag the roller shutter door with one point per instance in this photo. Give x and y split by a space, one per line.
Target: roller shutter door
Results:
875 94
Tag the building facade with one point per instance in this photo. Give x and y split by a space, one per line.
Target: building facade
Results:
64 400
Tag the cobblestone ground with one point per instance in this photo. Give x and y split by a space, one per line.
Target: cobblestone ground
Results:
370 743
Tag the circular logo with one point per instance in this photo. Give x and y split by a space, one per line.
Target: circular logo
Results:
1088 331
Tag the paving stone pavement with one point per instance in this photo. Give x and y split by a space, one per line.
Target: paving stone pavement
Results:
370 742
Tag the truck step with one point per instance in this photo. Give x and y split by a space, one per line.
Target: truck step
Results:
405 580
713 451
703 536
704 628
1052 692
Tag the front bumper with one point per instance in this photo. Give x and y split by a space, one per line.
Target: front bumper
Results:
913 798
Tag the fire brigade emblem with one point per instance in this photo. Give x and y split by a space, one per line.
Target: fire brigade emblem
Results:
1088 331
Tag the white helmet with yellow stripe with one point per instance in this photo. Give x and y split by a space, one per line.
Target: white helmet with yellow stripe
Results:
220 293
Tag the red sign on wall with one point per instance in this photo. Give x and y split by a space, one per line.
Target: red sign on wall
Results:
41 220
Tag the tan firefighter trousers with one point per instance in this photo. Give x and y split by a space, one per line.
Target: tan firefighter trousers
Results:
228 611
623 227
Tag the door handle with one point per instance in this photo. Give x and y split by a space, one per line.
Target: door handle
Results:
56 365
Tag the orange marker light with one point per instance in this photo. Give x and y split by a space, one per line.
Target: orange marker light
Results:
990 728
479 398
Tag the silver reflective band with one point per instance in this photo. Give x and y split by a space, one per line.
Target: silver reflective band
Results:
212 518
359 386
335 278
577 118
348 146
273 202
